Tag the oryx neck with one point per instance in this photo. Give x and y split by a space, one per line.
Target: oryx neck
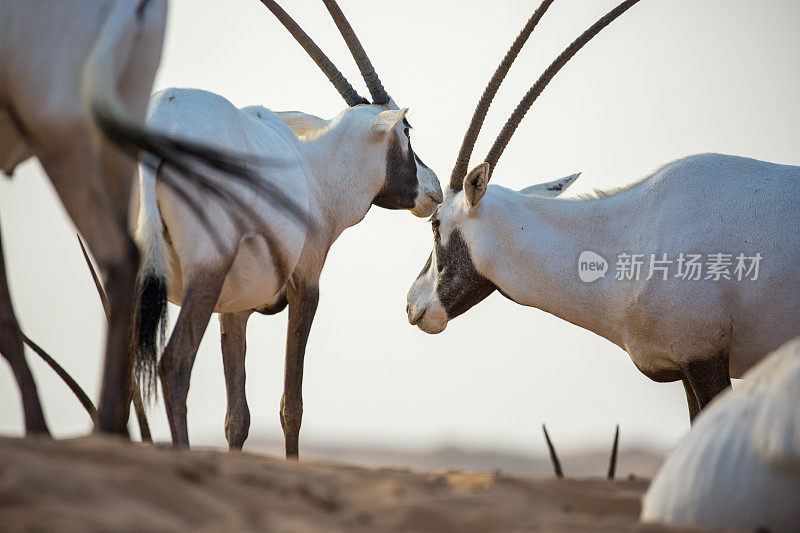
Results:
346 178
540 243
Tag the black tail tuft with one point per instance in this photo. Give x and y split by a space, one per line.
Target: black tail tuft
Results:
149 329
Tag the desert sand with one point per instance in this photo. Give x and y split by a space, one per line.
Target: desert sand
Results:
103 483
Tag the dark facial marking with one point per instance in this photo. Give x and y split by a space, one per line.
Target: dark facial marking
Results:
399 190
459 284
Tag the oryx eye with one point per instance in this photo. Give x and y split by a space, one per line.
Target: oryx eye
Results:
408 134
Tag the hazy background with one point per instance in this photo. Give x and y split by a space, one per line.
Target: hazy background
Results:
668 79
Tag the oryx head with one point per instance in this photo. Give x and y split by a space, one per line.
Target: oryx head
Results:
407 182
459 271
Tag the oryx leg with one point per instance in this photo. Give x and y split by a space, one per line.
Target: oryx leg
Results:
175 367
233 327
12 349
94 184
303 300
141 412
135 86
691 400
95 193
14 149
707 378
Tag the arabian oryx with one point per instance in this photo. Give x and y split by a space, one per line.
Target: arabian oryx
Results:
527 245
58 60
338 168
739 466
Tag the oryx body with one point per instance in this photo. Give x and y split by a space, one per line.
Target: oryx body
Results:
362 156
528 246
739 466
336 169
254 278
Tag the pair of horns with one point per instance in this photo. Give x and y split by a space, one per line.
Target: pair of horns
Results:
471 136
612 461
376 90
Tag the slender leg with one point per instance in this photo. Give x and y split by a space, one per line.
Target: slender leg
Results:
691 399
12 349
115 396
87 190
175 366
303 301
707 377
141 412
234 347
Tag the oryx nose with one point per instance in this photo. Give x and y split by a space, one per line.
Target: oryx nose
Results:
436 196
414 315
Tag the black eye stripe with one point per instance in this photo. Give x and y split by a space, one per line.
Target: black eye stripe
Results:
400 187
459 286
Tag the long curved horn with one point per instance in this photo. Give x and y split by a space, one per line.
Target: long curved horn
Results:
612 462
65 377
376 90
537 88
323 62
553 455
467 145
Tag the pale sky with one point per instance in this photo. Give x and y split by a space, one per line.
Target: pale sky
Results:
668 79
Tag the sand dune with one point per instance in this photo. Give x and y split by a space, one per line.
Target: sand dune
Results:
101 483
638 462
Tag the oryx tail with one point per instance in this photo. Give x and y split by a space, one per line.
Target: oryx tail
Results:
104 67
150 308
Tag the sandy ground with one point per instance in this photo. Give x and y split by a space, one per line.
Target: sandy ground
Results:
99 483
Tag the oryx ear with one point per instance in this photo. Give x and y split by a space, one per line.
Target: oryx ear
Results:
388 120
475 184
551 188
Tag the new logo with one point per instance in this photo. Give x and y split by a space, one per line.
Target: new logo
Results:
591 266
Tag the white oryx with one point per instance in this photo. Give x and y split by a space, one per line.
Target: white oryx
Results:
335 168
527 244
75 78
739 466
